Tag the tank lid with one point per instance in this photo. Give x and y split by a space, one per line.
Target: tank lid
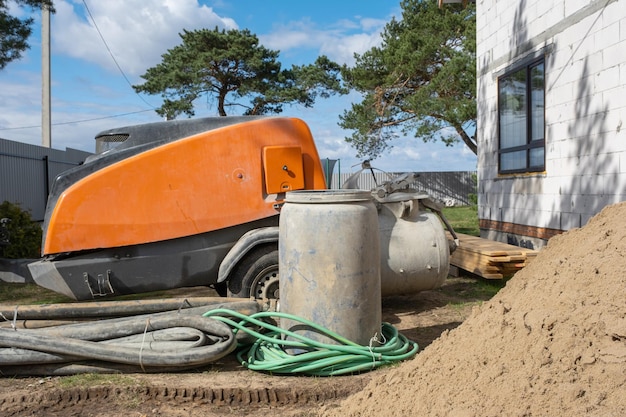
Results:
327 196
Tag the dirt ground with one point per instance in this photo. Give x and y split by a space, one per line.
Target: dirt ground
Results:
225 388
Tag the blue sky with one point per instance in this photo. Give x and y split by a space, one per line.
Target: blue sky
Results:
90 93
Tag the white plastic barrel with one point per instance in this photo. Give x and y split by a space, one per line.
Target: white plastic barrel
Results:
329 263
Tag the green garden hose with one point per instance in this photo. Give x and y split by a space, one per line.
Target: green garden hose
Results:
188 338
267 352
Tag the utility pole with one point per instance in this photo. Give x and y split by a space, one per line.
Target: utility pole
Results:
46 124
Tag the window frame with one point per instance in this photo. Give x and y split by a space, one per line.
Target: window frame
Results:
529 144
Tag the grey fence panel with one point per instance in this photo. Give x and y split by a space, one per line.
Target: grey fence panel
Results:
27 172
451 188
21 181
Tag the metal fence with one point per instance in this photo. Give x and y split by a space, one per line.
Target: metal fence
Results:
452 188
27 172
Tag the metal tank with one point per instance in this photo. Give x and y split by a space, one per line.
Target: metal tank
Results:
414 250
329 261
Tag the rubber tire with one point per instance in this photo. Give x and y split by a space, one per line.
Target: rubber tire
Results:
260 262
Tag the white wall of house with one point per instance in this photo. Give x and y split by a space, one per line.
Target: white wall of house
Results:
584 45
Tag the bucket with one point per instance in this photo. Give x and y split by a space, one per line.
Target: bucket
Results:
329 262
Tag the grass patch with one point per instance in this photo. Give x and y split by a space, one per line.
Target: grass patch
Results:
463 219
481 289
29 294
128 399
466 291
93 380
485 288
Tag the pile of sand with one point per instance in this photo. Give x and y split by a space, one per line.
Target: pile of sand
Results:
551 343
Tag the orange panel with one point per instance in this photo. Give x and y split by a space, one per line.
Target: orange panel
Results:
193 185
283 169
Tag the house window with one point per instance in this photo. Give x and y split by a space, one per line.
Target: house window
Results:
521 118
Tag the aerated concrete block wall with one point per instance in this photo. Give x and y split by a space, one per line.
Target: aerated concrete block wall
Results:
584 46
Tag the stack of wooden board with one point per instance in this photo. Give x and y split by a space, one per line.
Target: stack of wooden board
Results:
488 258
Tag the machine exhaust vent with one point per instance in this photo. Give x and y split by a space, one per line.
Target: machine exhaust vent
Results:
108 142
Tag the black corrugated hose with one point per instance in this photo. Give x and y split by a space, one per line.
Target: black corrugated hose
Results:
158 342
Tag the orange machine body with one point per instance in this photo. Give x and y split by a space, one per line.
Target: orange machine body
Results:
228 175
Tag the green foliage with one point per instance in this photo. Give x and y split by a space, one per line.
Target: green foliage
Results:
223 64
420 81
14 32
24 233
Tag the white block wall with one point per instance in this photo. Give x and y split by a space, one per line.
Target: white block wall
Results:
585 75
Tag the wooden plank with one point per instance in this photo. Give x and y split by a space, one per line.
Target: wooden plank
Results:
491 247
509 258
462 256
489 259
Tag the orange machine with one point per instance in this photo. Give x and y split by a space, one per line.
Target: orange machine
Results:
174 203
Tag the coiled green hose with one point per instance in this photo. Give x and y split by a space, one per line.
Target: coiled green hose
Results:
185 339
267 353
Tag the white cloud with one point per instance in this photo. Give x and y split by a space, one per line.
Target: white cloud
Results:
14 9
373 25
342 50
339 42
20 111
295 36
18 102
137 32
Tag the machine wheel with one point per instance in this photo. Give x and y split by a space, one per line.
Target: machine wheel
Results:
256 275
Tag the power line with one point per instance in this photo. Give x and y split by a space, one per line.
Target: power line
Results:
78 121
111 53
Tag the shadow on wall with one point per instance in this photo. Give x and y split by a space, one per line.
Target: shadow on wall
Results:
584 154
595 180
582 159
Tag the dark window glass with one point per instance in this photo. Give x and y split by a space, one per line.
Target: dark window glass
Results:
521 119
